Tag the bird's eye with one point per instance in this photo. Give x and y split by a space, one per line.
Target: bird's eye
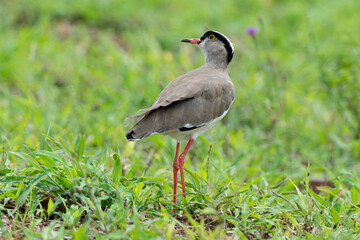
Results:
212 37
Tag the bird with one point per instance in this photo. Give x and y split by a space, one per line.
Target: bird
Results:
192 103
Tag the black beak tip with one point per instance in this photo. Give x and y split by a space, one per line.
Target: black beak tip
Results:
185 40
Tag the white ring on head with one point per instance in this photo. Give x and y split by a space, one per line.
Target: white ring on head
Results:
231 45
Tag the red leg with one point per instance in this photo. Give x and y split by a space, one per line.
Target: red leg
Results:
175 171
181 164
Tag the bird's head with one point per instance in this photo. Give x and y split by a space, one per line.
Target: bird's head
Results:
216 47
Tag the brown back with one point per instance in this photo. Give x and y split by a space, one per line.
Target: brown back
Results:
194 98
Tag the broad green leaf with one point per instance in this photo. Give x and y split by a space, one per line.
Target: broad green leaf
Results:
166 186
117 170
319 198
309 236
12 179
301 196
19 192
24 195
354 183
354 195
50 206
244 213
81 147
28 158
164 213
81 233
209 211
4 171
63 182
138 188
335 215
49 162
292 219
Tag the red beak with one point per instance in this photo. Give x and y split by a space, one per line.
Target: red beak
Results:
192 40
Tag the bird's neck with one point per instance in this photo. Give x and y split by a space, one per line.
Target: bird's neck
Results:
217 65
216 61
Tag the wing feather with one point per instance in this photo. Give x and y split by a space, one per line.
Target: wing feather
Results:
194 98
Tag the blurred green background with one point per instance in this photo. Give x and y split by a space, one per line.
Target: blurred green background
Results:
81 67
71 68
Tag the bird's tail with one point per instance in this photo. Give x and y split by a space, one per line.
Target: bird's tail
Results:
150 124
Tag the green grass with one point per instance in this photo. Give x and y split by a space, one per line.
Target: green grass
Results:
72 71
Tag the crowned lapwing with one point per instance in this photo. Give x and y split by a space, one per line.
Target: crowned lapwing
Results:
192 103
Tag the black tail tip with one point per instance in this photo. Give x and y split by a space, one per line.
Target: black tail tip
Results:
130 137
